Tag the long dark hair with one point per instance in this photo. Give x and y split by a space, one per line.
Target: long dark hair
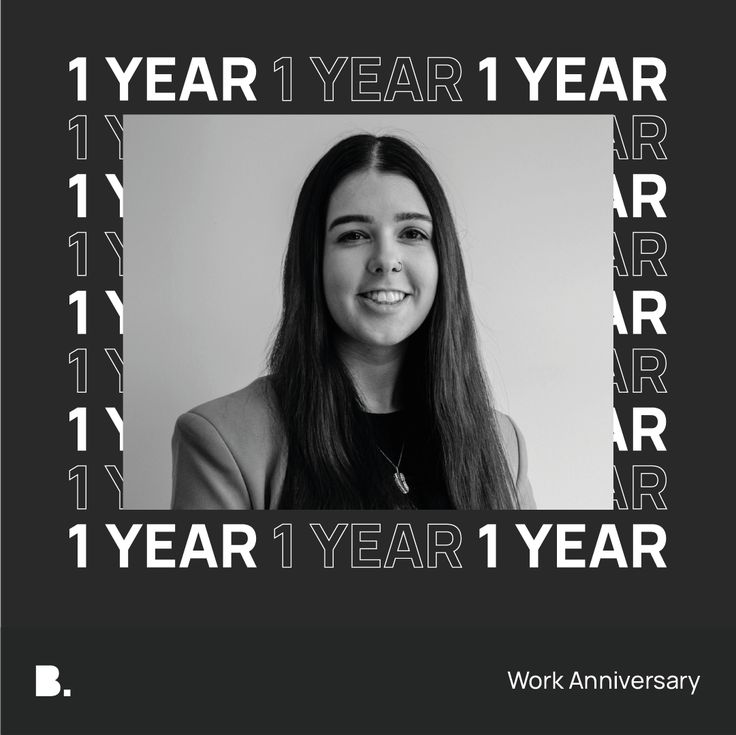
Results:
326 428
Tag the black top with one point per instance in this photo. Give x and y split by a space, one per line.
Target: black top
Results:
426 485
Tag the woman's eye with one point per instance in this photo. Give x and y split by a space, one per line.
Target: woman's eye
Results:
351 236
412 233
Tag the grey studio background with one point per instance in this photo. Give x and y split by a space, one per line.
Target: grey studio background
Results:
208 206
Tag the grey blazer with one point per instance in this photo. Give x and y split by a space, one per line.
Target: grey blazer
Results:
230 453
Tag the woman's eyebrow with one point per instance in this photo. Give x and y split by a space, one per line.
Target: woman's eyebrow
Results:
349 218
412 215
400 217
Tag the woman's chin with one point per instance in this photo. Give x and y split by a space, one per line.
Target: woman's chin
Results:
377 341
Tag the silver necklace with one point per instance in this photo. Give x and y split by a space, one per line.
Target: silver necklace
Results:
399 478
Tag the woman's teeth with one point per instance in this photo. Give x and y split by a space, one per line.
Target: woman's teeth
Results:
385 297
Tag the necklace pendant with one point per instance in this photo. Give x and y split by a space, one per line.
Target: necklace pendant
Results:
401 482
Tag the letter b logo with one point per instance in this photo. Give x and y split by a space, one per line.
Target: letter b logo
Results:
47 681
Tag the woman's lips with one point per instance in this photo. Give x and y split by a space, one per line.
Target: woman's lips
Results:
383 301
384 296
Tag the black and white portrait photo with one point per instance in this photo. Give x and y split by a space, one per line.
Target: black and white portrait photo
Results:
368 312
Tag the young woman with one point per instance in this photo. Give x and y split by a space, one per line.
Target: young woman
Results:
377 397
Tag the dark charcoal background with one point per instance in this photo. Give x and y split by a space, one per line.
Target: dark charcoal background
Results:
309 650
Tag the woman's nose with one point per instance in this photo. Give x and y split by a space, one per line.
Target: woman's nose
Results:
385 257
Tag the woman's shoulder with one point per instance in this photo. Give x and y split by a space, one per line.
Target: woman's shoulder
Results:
514 448
229 452
250 412
509 433
257 398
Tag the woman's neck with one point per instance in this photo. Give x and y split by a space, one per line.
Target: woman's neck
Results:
375 372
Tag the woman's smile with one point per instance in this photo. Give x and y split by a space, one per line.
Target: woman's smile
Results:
384 298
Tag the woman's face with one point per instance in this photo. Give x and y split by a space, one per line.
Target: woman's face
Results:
380 268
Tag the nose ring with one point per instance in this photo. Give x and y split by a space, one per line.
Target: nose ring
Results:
398 267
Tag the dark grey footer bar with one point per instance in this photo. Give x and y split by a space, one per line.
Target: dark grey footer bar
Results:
370 681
